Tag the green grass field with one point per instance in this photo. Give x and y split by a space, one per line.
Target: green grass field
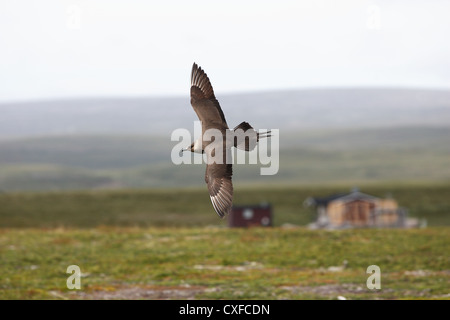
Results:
220 263
191 207
169 244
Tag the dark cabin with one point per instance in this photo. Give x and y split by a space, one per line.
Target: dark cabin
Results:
251 216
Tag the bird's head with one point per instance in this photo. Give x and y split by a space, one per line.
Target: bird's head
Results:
190 148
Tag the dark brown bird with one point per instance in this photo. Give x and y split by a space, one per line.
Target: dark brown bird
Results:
219 169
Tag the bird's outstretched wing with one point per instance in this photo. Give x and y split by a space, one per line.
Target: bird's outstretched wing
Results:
220 187
203 100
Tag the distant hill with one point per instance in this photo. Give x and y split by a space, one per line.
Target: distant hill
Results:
326 135
286 110
350 156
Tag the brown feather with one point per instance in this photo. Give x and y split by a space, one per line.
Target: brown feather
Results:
220 187
203 100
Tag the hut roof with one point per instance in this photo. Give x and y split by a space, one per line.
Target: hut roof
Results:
345 197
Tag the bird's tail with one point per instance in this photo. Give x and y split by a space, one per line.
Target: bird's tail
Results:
246 137
262 135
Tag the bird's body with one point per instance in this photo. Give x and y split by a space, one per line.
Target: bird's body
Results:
216 141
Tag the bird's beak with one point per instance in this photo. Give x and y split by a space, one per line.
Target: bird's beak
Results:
182 150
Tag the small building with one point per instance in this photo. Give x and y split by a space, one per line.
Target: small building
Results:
356 210
251 216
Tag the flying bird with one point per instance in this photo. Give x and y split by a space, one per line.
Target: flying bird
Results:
219 168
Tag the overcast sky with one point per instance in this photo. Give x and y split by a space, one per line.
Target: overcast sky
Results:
64 49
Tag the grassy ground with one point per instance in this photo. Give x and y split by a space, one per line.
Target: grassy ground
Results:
220 263
192 207
169 244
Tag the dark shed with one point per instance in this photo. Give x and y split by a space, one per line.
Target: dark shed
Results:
251 216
